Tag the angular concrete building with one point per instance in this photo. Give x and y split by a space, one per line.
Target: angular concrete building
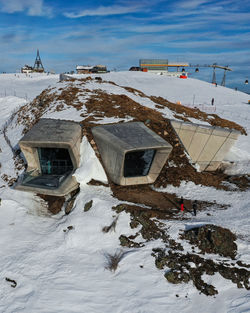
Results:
131 153
206 145
52 151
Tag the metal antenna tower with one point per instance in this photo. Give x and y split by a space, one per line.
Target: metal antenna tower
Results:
38 66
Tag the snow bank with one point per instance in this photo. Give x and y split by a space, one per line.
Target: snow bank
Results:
90 167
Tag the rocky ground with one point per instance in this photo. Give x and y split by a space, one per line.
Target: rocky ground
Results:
183 267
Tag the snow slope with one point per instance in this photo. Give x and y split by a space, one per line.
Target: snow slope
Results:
63 270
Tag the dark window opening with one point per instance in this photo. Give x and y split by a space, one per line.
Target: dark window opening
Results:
138 163
55 165
54 161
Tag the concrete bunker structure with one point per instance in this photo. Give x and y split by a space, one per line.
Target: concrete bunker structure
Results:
131 152
206 145
52 151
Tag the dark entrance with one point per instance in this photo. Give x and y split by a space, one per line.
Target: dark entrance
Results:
138 163
54 161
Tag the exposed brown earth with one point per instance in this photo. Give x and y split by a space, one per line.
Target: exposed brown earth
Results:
54 203
184 113
186 266
212 239
181 270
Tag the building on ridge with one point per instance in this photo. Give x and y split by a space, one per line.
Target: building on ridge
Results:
88 69
26 69
162 66
83 69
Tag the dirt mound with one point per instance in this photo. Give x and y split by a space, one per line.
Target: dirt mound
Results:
98 104
212 239
162 204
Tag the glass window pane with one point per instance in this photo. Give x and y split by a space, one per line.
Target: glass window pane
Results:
54 161
138 163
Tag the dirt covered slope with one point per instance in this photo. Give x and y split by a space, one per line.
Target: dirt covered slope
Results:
97 101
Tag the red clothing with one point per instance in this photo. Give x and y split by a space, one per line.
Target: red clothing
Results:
182 207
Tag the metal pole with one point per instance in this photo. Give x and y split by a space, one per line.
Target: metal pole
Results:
223 82
214 77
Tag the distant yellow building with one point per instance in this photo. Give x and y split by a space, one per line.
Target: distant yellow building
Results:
161 66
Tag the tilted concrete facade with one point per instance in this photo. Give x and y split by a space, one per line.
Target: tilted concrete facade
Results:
116 141
206 145
51 134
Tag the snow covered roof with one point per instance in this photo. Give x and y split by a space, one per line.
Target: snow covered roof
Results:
84 67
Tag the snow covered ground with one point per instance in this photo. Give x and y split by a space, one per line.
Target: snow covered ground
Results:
25 86
63 270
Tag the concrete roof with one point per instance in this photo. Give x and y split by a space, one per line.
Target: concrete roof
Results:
53 130
131 135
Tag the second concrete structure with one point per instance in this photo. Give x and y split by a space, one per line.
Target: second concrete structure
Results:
131 152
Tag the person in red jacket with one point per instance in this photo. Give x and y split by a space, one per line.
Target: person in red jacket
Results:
182 204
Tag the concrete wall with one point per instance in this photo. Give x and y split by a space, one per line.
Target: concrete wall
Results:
68 185
51 133
114 141
206 145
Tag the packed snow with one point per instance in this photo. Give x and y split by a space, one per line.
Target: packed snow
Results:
60 269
